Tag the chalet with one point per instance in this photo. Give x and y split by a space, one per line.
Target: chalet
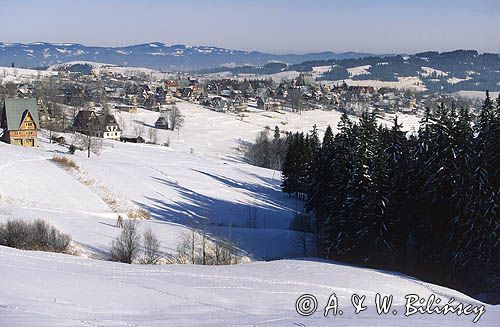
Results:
109 128
152 104
105 126
262 103
267 104
186 92
221 104
161 123
169 98
19 121
86 122
172 86
239 104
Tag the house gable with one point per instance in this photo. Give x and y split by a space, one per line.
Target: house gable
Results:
27 122
16 110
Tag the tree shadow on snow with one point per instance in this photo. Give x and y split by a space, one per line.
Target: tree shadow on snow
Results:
272 208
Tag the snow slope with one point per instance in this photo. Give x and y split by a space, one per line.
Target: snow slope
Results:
200 175
22 75
404 83
43 289
360 70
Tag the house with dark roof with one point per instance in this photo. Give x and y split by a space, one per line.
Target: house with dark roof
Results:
86 122
19 121
161 123
89 123
109 128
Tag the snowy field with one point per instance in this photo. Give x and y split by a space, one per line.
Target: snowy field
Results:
475 94
201 175
403 83
22 75
43 289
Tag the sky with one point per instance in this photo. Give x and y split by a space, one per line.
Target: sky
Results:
276 26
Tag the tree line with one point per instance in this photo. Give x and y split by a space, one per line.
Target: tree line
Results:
425 204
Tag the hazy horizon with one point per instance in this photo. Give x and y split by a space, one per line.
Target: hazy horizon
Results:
278 27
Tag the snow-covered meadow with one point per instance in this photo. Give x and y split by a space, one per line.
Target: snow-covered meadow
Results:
44 289
200 175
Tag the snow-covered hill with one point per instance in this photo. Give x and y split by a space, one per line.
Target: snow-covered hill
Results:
42 289
200 175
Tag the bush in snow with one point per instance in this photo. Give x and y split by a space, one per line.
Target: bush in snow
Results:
65 162
139 214
37 235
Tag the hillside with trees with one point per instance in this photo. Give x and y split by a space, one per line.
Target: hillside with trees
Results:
424 204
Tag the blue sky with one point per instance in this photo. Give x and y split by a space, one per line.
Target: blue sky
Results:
278 26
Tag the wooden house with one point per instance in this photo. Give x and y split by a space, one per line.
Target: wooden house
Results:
109 128
126 108
19 121
152 103
161 123
89 123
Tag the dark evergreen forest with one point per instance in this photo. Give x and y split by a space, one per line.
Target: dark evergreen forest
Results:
424 204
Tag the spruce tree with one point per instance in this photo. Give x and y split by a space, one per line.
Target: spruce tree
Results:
474 232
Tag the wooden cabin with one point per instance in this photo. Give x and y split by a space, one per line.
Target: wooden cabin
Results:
161 123
19 121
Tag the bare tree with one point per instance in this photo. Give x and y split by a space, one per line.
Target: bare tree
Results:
187 248
197 247
126 247
151 248
303 237
295 99
153 135
51 126
139 130
122 121
88 142
119 221
176 120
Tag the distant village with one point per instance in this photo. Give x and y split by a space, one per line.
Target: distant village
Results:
85 102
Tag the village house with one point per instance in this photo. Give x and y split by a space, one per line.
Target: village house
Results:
152 103
109 128
19 121
161 123
89 123
86 122
126 108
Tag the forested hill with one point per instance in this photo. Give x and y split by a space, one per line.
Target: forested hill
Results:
445 72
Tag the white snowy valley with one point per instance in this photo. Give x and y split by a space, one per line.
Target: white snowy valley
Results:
201 175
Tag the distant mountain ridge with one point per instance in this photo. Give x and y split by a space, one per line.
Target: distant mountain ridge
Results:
153 55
